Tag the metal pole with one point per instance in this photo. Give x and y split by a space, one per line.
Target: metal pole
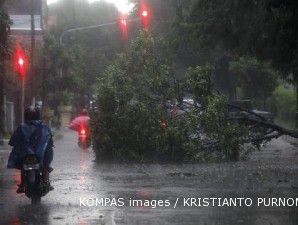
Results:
32 50
86 28
22 98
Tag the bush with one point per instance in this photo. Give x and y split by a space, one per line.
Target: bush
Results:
283 103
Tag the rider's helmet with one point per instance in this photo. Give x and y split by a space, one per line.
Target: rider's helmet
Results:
84 112
31 113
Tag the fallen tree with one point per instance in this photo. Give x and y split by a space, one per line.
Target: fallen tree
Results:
253 119
132 119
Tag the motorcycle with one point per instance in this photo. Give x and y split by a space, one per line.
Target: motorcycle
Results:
35 187
84 140
80 124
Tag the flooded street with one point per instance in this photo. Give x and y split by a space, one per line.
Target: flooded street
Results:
270 173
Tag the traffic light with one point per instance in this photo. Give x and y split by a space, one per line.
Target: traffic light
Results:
123 23
21 62
145 15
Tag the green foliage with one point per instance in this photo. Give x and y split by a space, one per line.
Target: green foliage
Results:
131 122
214 120
282 104
131 100
212 116
200 83
257 80
266 30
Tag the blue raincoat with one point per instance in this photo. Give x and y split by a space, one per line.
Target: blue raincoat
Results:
32 137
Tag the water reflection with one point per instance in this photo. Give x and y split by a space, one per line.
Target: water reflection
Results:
76 176
84 163
16 177
30 214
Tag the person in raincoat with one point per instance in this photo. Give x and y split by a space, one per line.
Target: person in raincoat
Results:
32 137
81 122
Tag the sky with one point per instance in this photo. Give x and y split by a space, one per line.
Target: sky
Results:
123 5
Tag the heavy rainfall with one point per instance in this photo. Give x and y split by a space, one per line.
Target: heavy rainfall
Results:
148 112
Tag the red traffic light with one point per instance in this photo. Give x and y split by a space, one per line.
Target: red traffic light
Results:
145 15
21 63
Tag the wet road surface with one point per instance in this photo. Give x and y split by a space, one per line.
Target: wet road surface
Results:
270 173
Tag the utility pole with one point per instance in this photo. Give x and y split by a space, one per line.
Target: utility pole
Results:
22 98
32 49
4 25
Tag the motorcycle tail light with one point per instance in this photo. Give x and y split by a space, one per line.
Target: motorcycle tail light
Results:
83 132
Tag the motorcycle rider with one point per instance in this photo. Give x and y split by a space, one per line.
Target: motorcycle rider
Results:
30 137
81 124
81 121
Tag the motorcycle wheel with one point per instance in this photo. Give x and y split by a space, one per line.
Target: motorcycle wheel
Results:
31 177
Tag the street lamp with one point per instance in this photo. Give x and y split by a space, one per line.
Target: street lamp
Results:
145 15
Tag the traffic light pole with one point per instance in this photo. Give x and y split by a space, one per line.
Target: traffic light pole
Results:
83 28
21 67
22 98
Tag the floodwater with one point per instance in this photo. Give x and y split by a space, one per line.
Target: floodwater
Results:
81 185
